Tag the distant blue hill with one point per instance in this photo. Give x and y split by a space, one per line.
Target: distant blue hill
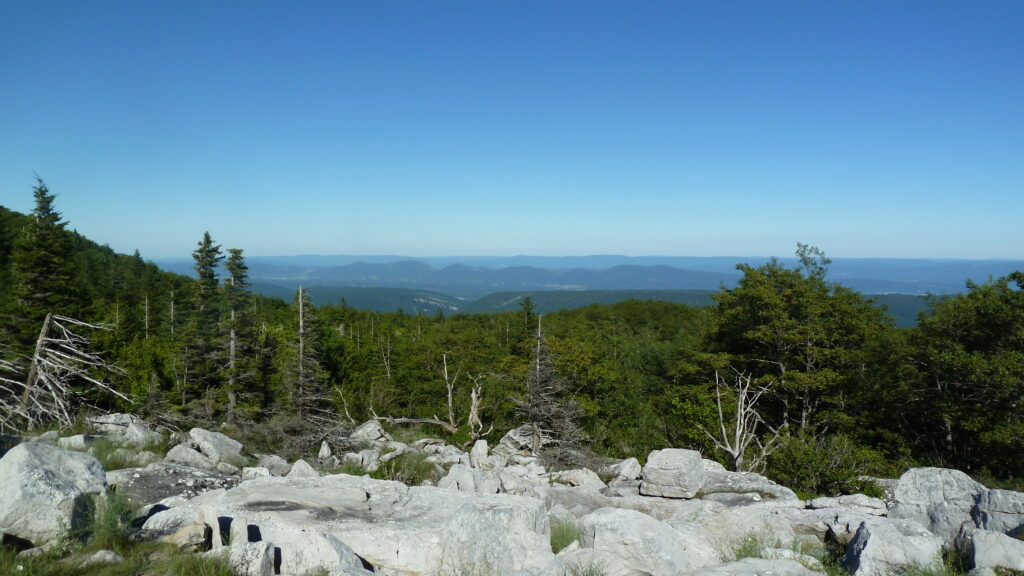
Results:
475 276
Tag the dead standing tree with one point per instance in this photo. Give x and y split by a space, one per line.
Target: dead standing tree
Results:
740 433
550 411
61 360
451 425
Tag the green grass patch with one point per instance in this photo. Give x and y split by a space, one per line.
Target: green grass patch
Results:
111 454
411 469
350 468
563 533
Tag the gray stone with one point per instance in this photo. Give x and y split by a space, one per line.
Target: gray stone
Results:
78 442
45 490
940 499
156 482
1000 511
113 423
885 546
325 451
302 469
630 543
478 453
252 558
583 478
370 431
395 528
137 434
102 557
519 441
854 502
278 466
622 487
744 488
673 473
182 454
214 445
629 469
250 472
995 550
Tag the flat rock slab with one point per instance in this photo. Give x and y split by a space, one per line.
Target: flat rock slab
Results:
418 530
156 482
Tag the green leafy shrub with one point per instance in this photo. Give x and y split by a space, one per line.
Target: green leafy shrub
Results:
563 532
825 466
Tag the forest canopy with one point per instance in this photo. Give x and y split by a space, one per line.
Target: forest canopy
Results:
832 373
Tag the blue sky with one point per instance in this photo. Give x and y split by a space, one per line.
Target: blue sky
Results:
869 129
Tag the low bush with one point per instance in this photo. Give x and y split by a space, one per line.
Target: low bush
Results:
827 466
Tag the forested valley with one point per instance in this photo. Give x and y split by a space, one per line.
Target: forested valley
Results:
828 387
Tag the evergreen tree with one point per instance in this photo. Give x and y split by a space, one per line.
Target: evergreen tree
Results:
205 316
41 271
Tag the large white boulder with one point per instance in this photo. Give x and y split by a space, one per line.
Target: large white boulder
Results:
940 499
629 469
630 543
214 445
883 546
582 478
673 473
995 550
252 558
45 490
1000 511
302 469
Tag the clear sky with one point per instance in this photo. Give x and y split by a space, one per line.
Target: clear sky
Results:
872 129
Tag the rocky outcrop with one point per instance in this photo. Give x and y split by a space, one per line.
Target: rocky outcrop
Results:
391 526
629 543
744 488
673 473
1000 511
994 550
159 481
45 490
883 547
939 499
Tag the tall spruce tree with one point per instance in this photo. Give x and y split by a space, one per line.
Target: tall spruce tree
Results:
42 271
205 314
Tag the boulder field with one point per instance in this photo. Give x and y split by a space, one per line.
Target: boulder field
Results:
493 510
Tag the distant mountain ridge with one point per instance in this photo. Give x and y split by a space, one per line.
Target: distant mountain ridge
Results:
476 276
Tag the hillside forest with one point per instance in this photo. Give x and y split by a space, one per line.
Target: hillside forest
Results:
785 372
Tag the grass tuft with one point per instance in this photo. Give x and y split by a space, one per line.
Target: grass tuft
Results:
411 469
563 533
